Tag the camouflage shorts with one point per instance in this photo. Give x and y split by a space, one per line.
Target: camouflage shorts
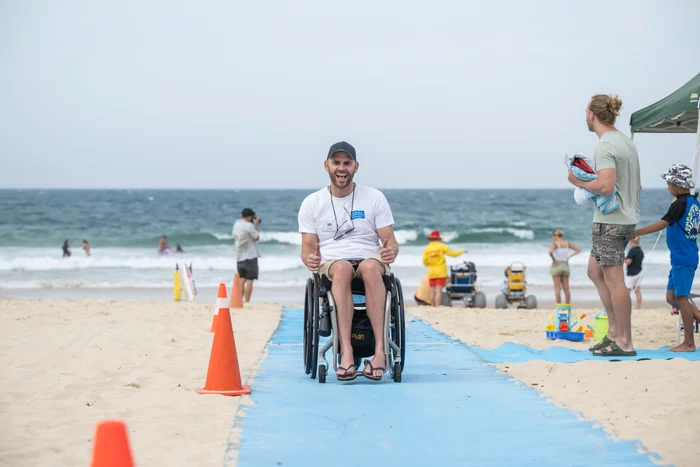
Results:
609 242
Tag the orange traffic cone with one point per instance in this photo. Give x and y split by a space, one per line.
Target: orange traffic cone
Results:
221 302
236 293
223 375
111 446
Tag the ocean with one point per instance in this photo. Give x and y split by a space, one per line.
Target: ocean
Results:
123 227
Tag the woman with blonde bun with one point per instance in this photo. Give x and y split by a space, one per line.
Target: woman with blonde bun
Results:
560 252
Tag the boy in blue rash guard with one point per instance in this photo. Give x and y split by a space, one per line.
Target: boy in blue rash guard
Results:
681 222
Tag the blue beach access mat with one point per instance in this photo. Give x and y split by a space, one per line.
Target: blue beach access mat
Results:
450 409
516 353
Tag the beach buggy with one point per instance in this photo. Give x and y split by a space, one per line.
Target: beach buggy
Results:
515 289
462 286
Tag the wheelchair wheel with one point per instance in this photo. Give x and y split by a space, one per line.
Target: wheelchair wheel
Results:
397 372
308 308
398 334
321 373
313 329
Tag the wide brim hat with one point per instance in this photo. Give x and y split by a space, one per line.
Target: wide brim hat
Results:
680 175
434 235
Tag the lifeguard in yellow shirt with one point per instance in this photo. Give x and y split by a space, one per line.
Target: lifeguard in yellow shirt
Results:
434 260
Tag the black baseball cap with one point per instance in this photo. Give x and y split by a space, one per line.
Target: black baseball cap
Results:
247 212
342 146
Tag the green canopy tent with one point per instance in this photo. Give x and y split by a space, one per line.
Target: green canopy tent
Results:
676 113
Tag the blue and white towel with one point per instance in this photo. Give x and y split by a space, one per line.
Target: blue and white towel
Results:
605 204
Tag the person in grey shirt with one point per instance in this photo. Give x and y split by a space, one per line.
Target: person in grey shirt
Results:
246 232
617 165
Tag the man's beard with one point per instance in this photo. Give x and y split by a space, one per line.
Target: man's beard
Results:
348 181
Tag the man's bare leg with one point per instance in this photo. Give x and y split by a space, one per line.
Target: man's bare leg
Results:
622 304
243 283
247 290
595 274
375 295
688 313
341 273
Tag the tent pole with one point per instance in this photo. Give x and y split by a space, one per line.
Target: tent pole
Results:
697 150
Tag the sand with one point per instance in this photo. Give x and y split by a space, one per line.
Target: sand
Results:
655 402
69 364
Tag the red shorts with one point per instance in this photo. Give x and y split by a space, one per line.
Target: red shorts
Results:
442 281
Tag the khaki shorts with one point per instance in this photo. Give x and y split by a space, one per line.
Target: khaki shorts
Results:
609 242
324 269
560 268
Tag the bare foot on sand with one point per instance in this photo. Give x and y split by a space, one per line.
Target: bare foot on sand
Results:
683 347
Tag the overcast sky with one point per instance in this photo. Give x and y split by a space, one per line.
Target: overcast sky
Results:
228 94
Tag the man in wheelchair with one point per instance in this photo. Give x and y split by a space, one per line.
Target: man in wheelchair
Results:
347 232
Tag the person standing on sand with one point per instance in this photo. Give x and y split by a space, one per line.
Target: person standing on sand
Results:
634 259
434 259
246 231
617 164
682 223
559 252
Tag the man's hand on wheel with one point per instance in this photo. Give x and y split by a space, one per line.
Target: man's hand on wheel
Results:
387 254
313 262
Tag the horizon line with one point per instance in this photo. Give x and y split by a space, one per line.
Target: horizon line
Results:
281 188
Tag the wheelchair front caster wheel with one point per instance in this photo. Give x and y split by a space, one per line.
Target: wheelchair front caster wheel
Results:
321 373
397 372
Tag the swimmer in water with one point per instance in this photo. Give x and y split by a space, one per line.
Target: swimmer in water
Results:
66 249
163 247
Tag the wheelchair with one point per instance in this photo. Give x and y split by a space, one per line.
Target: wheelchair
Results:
515 289
321 320
462 286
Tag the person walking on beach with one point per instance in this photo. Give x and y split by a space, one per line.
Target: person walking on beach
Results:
66 249
246 231
434 260
634 259
682 222
617 164
560 252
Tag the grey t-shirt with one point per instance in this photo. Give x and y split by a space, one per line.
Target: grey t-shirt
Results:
616 151
246 240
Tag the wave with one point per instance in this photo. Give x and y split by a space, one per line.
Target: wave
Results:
405 236
136 284
410 257
48 263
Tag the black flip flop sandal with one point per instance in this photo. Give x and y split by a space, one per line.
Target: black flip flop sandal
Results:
615 351
601 345
346 376
370 375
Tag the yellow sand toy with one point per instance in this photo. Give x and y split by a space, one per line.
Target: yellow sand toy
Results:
515 289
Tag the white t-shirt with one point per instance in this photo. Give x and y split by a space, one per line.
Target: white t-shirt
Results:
370 211
246 236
